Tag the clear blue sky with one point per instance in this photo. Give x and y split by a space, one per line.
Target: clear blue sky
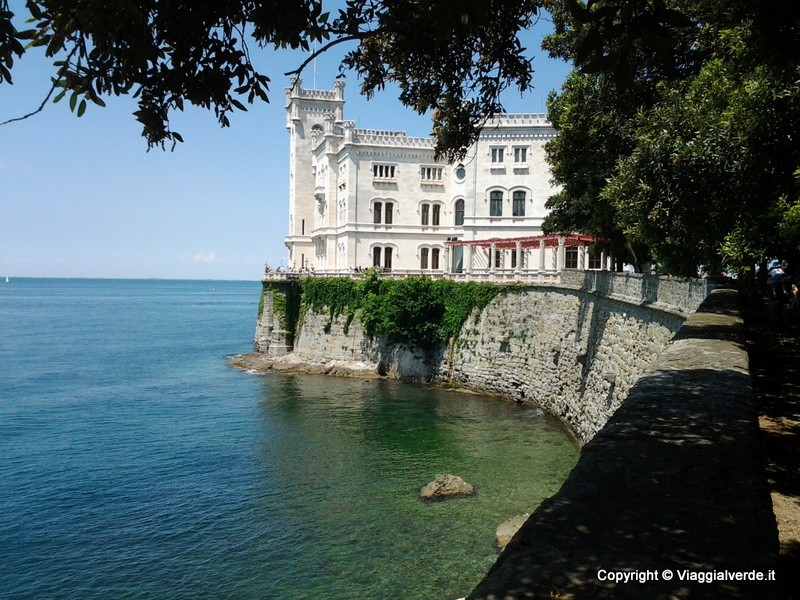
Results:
81 197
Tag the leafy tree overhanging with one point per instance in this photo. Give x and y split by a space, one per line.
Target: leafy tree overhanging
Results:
680 139
452 58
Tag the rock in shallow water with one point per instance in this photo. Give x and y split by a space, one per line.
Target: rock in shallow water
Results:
445 487
507 529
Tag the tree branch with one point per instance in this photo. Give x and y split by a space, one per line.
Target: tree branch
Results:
50 93
326 47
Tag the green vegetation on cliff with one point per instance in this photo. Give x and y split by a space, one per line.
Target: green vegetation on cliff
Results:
285 305
417 311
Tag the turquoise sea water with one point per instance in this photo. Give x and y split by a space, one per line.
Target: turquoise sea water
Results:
135 464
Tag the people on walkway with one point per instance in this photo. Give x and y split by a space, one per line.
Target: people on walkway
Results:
783 298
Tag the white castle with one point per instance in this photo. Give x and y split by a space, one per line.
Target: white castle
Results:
360 198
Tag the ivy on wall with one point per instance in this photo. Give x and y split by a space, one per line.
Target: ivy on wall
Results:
285 305
416 311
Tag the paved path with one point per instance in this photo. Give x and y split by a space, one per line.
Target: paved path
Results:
775 371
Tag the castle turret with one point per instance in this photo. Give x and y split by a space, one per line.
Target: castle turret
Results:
306 112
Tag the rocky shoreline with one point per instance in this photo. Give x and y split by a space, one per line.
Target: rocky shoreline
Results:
261 364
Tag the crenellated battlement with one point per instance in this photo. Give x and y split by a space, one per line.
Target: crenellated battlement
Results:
318 94
519 120
390 138
296 91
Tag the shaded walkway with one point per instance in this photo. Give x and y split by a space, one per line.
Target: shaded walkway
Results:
775 371
674 482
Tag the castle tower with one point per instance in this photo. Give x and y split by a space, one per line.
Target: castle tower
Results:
306 112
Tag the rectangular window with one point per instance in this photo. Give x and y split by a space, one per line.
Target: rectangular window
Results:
521 155
594 261
376 257
426 208
303 227
518 208
513 259
383 171
496 204
376 212
435 258
431 174
436 214
498 259
423 258
571 258
497 155
387 259
389 210
458 259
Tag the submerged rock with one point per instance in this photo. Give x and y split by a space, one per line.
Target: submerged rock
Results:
445 487
507 529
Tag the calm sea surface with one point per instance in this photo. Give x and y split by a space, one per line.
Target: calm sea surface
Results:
135 464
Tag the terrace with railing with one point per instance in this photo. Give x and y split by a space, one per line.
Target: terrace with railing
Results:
489 275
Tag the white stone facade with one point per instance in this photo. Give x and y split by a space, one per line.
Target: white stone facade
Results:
360 197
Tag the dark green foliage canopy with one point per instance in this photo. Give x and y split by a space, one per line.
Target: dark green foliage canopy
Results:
680 138
452 58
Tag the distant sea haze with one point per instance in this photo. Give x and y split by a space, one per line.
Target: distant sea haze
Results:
135 464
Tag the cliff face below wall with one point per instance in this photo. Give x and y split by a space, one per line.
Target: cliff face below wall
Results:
574 350
573 354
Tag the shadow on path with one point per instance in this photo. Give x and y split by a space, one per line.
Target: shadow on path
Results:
775 371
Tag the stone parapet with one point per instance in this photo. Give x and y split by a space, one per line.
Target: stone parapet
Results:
670 294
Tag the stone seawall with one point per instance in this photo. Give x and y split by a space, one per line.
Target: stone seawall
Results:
574 354
574 350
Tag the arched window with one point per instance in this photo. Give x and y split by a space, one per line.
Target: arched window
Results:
459 212
496 204
425 211
518 206
437 209
429 257
387 252
382 212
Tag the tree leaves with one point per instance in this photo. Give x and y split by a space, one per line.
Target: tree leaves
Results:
454 58
692 158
